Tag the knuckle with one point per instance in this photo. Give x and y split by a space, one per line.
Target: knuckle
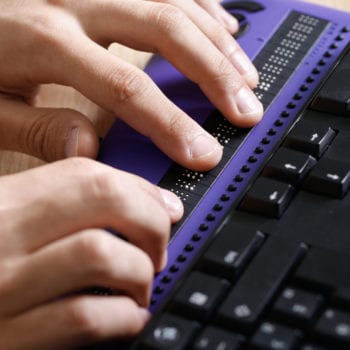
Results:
226 74
80 167
46 28
127 85
137 265
169 19
224 68
177 126
81 317
146 271
103 189
94 249
96 182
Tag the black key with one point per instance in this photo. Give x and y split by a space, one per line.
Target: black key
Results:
312 347
242 30
271 336
239 16
329 177
339 149
199 295
334 325
249 6
212 338
169 332
297 306
324 269
231 250
268 197
334 96
289 166
255 289
342 297
310 137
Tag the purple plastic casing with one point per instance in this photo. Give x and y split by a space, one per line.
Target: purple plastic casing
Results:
125 149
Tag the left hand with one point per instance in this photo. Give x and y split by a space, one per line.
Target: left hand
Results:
64 42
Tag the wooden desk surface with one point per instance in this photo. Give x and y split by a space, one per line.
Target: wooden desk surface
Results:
52 96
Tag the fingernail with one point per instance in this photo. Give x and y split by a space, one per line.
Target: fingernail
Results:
248 103
71 148
243 64
145 314
172 203
203 146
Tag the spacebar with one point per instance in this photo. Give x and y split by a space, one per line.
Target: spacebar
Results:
255 289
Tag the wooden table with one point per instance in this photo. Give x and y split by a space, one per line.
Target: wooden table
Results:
56 96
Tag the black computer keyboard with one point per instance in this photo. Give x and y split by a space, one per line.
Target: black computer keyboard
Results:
276 275
275 271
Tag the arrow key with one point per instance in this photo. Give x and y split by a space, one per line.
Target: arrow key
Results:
290 166
329 177
268 197
309 137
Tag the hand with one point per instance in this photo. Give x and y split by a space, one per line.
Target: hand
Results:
53 246
65 41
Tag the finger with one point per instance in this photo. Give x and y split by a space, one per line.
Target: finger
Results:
218 35
46 133
171 32
76 194
132 95
220 14
73 322
91 258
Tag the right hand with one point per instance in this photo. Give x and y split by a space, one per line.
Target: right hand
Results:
53 245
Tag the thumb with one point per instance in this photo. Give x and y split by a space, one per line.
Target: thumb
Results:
46 133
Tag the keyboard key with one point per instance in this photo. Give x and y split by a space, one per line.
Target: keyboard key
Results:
271 336
199 295
169 332
289 166
297 306
212 338
312 347
231 250
334 325
324 270
329 177
310 137
339 150
243 28
342 297
268 197
334 96
256 288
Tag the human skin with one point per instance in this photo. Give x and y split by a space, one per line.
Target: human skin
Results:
54 245
53 240
65 41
